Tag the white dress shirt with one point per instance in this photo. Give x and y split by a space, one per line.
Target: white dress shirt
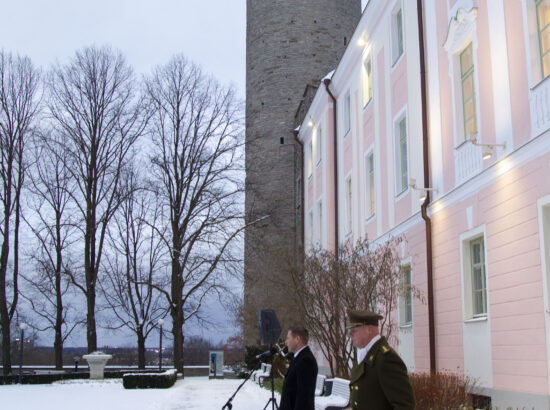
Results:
362 352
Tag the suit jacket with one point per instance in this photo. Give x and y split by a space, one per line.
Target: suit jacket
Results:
380 381
299 383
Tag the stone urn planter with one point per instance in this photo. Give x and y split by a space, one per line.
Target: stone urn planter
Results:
96 362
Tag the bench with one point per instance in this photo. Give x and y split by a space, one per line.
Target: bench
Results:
265 374
338 398
320 385
255 373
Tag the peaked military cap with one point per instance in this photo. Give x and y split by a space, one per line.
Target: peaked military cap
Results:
362 317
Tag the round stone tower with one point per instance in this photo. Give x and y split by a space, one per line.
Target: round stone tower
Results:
290 44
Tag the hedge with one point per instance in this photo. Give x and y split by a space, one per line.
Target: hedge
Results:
149 380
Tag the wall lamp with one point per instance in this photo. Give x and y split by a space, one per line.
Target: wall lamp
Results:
310 122
487 148
423 191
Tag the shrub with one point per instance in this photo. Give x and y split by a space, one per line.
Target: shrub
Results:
149 380
277 385
442 390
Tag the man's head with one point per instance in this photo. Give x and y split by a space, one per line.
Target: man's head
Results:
296 338
362 327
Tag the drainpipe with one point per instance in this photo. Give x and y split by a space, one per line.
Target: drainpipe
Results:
326 81
424 208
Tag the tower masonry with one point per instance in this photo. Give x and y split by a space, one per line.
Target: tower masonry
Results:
289 44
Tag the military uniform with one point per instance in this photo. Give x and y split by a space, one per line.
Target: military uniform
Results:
380 380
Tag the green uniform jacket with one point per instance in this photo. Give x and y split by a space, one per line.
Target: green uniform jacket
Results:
380 381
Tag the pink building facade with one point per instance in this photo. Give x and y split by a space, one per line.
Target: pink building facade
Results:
488 119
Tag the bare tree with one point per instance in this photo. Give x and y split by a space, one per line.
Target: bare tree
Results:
19 82
97 109
134 263
361 277
197 138
52 224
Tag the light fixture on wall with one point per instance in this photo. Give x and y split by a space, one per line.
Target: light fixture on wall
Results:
487 148
361 42
423 191
310 122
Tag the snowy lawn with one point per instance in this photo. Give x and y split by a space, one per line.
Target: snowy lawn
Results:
195 393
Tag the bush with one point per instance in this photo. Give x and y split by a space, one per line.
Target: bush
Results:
442 390
149 380
277 385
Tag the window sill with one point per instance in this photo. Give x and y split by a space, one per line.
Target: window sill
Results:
396 62
477 319
370 218
401 194
367 105
406 326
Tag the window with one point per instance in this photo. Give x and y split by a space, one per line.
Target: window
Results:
310 160
397 34
405 300
320 221
543 25
349 207
367 81
310 230
479 287
347 113
369 165
468 91
401 167
319 150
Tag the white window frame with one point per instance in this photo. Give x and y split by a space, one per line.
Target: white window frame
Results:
320 222
405 297
532 42
349 204
310 230
462 33
401 175
366 69
397 34
347 113
543 205
466 241
370 185
310 159
319 145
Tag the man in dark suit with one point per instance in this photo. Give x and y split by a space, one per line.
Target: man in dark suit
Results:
299 383
380 380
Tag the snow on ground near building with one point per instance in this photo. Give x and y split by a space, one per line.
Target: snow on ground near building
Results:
196 393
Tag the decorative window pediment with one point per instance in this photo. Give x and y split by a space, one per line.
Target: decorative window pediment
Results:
459 28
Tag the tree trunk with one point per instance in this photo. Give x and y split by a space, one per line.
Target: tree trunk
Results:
6 342
141 349
58 342
90 321
177 333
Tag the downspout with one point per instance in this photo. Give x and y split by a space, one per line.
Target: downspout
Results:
326 81
424 208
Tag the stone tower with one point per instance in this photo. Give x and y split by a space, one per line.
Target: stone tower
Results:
289 44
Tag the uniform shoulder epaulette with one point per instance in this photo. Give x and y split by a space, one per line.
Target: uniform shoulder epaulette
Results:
385 349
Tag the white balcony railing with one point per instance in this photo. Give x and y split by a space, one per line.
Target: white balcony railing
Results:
468 162
539 101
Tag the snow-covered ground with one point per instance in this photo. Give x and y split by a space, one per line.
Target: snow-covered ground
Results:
197 393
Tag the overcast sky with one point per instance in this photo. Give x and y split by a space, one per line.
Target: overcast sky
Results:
148 32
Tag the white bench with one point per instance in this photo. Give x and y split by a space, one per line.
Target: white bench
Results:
320 384
255 373
339 397
265 374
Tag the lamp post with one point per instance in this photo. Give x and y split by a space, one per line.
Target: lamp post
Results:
160 323
22 326
76 359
